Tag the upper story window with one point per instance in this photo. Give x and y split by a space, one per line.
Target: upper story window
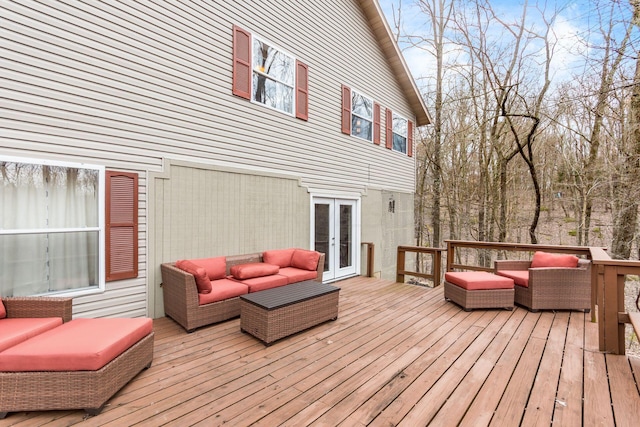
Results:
361 116
273 77
51 227
399 128
267 75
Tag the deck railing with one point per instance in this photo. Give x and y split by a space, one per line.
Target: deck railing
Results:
607 280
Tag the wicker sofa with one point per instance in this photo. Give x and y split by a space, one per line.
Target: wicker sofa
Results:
38 335
192 309
549 286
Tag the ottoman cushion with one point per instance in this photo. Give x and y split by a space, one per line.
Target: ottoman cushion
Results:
478 280
78 345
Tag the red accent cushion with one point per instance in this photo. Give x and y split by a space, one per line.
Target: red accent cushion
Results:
18 329
279 257
3 311
78 345
202 280
520 277
216 267
294 275
223 289
255 269
478 280
306 260
267 282
545 259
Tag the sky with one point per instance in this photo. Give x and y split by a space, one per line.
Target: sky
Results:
575 27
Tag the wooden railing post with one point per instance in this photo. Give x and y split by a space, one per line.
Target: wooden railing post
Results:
370 259
400 264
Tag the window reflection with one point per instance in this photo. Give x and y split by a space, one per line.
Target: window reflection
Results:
273 77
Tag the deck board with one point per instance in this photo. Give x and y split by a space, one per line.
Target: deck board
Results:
398 354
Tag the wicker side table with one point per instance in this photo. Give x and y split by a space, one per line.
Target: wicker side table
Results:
276 313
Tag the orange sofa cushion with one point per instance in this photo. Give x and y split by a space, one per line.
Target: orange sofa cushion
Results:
216 267
16 330
223 289
478 280
294 275
3 311
304 259
520 277
78 345
545 259
255 269
199 273
267 282
279 257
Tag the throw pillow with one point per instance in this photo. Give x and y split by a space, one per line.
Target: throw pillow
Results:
202 280
305 260
251 270
545 259
3 311
216 267
279 257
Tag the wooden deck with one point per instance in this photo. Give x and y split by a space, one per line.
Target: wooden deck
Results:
397 355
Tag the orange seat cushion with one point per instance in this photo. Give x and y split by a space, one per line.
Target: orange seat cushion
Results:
520 277
3 311
78 345
267 282
223 289
294 275
17 330
478 280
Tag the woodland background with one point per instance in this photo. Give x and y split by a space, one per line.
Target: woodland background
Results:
527 145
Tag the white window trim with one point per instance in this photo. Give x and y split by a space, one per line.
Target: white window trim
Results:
364 118
100 228
406 135
295 76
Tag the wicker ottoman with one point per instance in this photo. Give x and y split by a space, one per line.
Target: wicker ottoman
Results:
279 312
478 289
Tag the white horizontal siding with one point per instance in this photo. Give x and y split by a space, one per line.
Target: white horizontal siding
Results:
130 84
154 80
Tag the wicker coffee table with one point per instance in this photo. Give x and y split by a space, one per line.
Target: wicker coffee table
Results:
279 312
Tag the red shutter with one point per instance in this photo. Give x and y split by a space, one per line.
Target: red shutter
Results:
302 91
389 129
410 138
121 225
376 123
346 110
241 63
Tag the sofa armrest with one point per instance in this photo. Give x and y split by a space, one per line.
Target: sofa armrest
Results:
39 307
506 264
320 268
180 293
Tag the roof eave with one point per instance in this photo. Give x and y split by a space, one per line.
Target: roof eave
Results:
380 27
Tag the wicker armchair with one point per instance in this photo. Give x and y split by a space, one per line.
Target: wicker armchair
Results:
550 288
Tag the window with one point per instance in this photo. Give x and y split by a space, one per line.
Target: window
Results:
267 75
360 115
399 130
273 77
51 227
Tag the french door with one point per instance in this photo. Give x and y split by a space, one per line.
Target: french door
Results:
335 232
